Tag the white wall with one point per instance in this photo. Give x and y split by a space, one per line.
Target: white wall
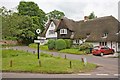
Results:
47 35
95 43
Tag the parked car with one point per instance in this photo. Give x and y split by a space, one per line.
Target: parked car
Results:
102 50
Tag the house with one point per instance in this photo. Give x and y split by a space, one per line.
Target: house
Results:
103 31
49 32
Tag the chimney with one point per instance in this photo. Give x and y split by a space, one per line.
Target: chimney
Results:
86 18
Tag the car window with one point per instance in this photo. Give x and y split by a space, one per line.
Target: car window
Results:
104 48
96 47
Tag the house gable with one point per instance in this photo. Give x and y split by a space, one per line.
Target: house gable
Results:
50 33
63 31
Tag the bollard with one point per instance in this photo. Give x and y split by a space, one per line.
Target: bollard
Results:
85 61
70 64
65 57
27 50
51 55
11 63
39 63
82 60
33 52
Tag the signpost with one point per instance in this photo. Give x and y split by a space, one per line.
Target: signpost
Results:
38 31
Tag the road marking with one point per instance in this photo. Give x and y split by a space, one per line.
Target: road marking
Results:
116 74
102 74
84 74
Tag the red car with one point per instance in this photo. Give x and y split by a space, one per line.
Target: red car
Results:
102 50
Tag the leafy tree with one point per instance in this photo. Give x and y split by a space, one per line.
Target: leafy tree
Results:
92 15
32 9
55 14
19 27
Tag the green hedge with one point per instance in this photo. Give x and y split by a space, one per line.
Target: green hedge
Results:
60 44
68 43
51 44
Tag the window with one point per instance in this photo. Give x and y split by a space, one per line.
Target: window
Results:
103 43
77 41
63 31
52 24
105 34
51 32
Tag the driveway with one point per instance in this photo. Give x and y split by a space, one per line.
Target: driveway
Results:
108 66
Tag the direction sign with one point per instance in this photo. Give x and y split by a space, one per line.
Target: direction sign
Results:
36 41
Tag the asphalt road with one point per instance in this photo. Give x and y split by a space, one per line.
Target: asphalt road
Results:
108 67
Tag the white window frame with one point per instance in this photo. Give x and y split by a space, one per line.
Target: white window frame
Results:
63 31
50 32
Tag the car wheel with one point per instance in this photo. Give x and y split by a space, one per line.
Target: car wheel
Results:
101 54
113 52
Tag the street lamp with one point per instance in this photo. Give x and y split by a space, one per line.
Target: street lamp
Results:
38 31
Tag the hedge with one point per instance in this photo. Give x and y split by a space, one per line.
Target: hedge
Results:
51 44
68 43
60 44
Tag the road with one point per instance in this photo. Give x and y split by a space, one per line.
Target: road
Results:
108 67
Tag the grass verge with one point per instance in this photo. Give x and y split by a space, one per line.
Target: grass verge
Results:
73 51
28 62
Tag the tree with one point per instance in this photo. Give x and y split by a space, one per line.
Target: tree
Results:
92 15
55 14
32 9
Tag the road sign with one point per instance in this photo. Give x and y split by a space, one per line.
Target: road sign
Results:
38 31
36 41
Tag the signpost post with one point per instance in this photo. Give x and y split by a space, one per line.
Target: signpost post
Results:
38 31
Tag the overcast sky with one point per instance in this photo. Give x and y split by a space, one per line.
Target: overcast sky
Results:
73 9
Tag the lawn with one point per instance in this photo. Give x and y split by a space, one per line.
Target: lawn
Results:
42 47
28 62
73 51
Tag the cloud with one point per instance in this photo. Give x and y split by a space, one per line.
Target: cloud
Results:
76 9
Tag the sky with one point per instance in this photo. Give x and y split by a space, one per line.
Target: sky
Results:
73 9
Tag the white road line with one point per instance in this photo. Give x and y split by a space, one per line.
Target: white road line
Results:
116 74
84 74
102 74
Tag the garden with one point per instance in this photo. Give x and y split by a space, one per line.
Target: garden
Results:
65 46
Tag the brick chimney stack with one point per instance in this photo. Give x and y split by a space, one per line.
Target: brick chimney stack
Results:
86 18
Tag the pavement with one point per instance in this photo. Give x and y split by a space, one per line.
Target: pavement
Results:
108 67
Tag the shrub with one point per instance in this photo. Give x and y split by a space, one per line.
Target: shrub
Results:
68 43
75 46
51 44
60 44
85 46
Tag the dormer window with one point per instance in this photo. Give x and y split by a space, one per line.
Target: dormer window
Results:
88 34
118 33
105 34
63 31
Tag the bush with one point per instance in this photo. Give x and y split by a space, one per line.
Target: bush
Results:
51 44
60 44
68 43
85 46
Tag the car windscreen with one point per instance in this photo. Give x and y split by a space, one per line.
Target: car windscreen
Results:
96 48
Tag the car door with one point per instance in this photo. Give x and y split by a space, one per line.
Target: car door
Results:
105 50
